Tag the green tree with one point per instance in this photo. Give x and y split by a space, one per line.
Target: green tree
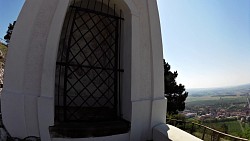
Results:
175 94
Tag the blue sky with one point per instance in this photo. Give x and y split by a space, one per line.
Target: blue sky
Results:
9 10
206 41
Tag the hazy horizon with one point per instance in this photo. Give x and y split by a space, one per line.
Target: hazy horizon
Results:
222 87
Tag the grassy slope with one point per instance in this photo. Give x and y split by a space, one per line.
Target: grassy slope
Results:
234 127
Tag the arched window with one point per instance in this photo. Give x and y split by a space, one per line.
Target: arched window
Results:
87 71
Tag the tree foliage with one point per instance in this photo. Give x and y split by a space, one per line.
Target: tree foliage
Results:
9 32
175 94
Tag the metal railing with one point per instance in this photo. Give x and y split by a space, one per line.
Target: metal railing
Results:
203 132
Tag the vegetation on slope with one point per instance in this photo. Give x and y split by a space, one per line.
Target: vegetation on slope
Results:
3 49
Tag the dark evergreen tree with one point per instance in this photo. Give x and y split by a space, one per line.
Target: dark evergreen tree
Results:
175 94
9 32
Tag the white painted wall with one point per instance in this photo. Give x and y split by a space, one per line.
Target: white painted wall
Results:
28 94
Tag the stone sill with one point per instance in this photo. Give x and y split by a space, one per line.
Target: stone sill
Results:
89 129
165 132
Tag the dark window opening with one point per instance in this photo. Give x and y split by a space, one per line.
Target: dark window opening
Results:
88 72
88 67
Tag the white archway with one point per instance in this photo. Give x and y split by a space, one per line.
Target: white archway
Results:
46 99
28 93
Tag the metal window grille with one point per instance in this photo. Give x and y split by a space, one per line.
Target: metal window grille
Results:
88 63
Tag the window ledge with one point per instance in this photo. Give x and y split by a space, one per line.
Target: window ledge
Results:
170 133
89 129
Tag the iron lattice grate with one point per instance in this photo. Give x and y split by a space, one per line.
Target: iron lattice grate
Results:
88 68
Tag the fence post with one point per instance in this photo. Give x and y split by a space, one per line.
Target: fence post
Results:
212 136
192 128
218 137
184 126
175 123
204 132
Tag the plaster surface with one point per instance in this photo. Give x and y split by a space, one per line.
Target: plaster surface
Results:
29 84
165 132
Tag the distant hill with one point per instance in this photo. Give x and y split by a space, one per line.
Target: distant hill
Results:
234 90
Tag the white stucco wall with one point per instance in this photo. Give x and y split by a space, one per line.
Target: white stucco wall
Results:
28 94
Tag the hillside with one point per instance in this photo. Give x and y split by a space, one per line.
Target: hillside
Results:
225 109
3 52
3 49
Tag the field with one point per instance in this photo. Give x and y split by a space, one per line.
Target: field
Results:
212 100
